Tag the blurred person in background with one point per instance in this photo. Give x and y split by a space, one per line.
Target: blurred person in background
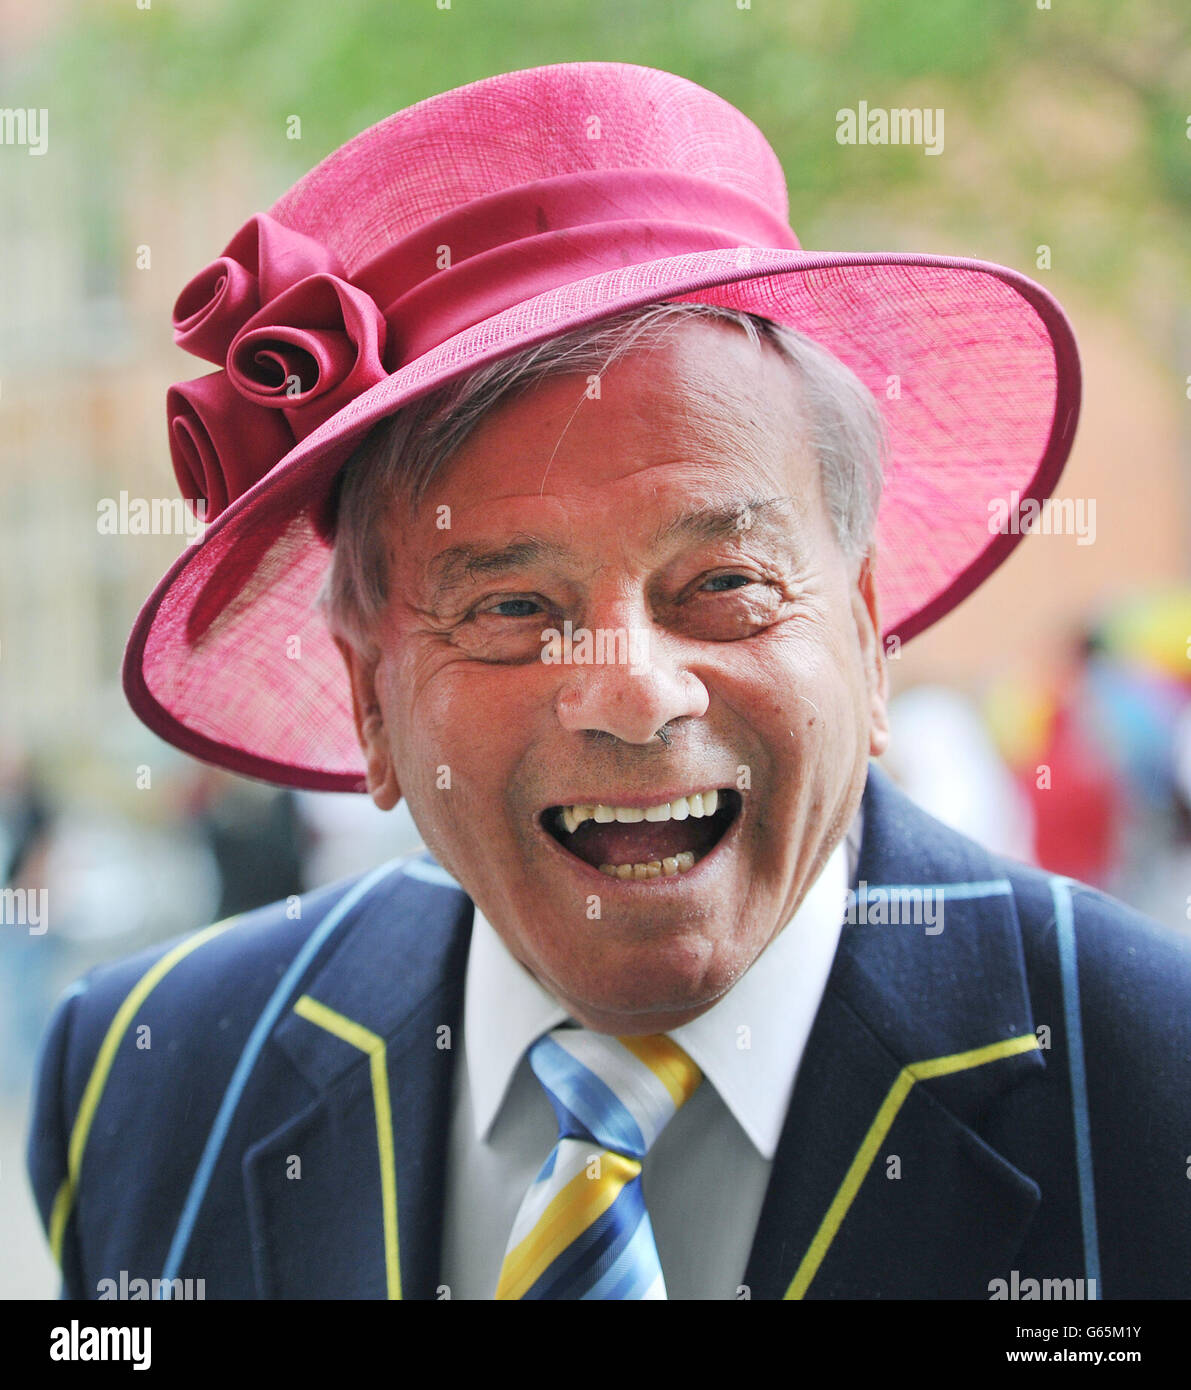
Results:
1095 748
946 760
26 981
255 834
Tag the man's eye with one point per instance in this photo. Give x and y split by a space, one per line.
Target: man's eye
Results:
524 608
723 583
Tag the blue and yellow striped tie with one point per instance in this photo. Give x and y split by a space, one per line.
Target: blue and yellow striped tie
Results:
582 1230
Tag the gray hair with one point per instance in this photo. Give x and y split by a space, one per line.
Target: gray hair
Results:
403 453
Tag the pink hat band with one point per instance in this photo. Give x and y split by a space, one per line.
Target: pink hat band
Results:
509 246
302 348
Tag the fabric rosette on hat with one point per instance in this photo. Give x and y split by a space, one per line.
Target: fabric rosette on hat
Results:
297 343
337 309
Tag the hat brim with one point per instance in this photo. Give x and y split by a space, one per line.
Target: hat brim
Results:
973 365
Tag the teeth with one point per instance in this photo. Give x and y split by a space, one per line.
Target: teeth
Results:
696 804
655 868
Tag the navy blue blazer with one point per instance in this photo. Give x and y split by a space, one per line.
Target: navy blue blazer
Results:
264 1105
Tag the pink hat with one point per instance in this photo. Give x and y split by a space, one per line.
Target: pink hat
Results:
565 194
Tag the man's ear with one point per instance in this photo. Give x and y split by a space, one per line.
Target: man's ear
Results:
380 775
868 626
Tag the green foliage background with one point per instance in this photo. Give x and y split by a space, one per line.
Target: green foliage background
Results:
1066 125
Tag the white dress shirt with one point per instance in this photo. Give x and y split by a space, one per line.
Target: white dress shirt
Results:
705 1178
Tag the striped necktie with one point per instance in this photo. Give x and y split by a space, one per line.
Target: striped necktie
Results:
582 1230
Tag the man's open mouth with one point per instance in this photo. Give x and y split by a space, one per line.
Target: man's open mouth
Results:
643 842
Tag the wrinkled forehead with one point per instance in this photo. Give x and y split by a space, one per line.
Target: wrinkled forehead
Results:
704 421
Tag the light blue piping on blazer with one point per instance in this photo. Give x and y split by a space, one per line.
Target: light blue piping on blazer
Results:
256 1040
1060 889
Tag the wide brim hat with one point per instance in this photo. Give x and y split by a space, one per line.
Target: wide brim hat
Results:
491 218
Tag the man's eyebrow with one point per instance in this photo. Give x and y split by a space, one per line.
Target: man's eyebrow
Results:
722 522
451 567
460 563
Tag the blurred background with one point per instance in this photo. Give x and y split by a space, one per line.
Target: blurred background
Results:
1049 716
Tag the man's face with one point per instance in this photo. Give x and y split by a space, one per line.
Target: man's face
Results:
683 504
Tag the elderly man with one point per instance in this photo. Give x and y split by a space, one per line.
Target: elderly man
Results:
684 999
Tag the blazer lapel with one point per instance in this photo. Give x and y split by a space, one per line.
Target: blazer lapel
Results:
345 1198
882 1185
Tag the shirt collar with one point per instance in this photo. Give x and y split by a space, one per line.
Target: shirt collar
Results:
749 1045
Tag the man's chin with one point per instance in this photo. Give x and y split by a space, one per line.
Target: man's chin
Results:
659 987
627 1019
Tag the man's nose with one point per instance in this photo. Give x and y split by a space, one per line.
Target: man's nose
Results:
628 681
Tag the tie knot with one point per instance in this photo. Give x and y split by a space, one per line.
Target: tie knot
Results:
619 1092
